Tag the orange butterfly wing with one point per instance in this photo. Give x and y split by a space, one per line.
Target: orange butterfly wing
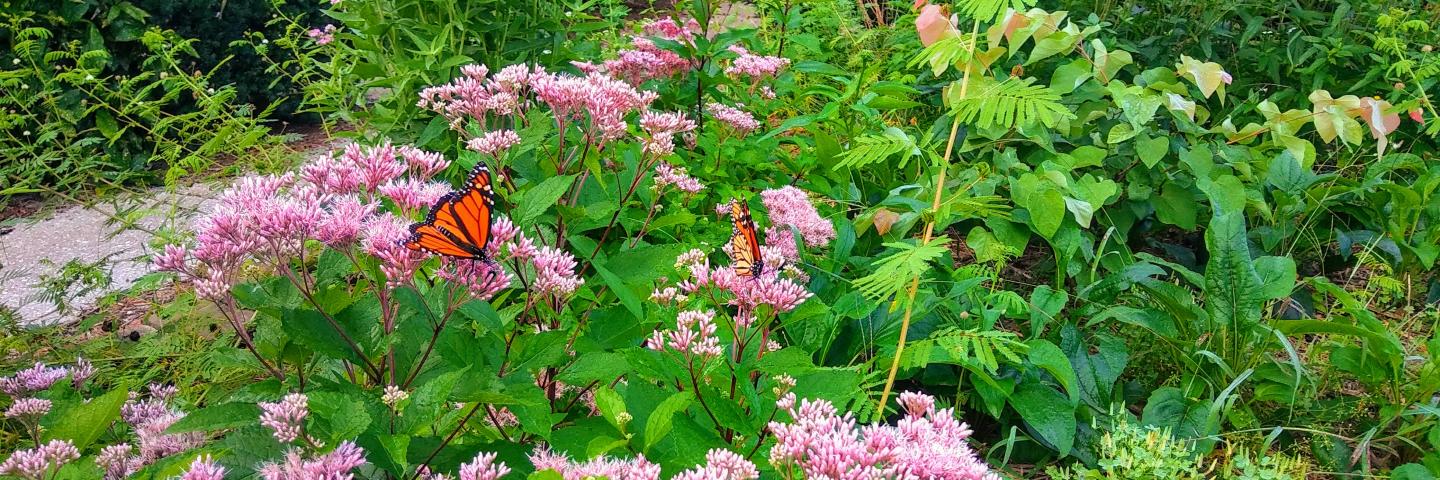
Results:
745 242
459 223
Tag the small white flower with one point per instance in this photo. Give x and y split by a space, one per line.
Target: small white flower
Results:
570 13
15 61
25 133
545 51
89 77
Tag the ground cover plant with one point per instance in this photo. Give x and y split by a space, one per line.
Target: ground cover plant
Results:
968 240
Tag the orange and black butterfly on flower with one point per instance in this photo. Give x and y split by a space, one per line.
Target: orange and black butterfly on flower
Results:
459 224
744 248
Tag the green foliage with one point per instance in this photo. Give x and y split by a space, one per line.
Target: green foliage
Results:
1132 452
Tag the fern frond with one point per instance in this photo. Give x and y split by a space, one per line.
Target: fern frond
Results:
944 53
971 347
1007 104
870 149
991 10
894 272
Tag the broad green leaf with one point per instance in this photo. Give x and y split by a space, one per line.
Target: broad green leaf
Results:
83 423
1048 413
1048 357
1152 150
533 202
1045 306
1187 418
217 417
661 419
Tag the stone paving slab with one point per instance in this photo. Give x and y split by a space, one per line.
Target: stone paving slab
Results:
87 234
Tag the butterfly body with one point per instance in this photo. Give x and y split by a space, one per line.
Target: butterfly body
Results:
459 224
744 248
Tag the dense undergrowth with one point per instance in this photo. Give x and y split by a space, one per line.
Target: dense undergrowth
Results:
1101 240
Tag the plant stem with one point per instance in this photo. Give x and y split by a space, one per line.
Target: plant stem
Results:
929 232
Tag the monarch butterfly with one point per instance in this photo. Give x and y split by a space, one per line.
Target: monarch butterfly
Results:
744 242
459 224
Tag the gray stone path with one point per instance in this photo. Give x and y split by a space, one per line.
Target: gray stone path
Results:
88 234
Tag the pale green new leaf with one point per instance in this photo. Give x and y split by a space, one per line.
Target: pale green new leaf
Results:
1007 104
989 11
870 149
894 272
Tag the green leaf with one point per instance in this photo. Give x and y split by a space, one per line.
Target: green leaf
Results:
1233 290
217 417
1045 305
1043 200
1048 357
1152 150
1168 407
533 202
83 423
1176 206
611 405
106 123
1007 104
1048 413
622 291
1411 471
661 421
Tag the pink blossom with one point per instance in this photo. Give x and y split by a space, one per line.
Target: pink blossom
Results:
336 465
823 444
423 164
384 237
286 417
28 408
81 372
768 288
412 194
646 61
755 67
333 175
172 259
33 379
555 272
204 468
790 207
483 467
694 334
38 463
637 468
667 28
117 462
661 128
667 175
481 278
375 165
343 222
602 99
494 142
721 464
737 119
322 36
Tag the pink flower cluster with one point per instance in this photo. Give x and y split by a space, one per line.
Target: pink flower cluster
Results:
637 468
555 272
322 36
645 60
694 334
286 418
739 120
476 94
661 128
28 409
769 288
666 175
926 444
721 464
150 418
203 468
41 462
336 465
36 378
494 142
598 97
756 67
790 207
